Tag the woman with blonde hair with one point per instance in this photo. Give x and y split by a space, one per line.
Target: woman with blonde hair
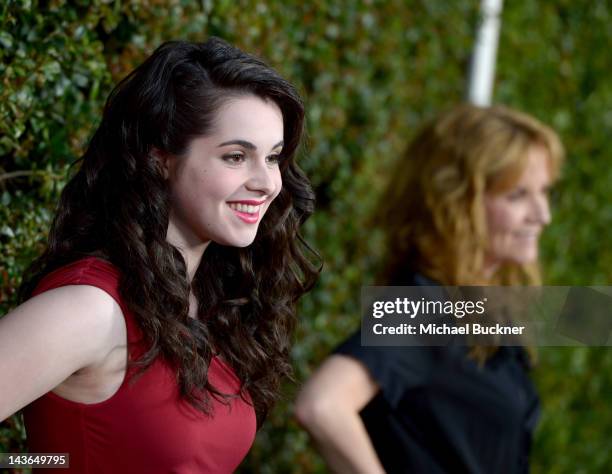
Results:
465 206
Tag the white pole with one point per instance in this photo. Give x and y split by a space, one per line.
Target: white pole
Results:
482 70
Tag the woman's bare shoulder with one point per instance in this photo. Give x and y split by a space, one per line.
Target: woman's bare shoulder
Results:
52 335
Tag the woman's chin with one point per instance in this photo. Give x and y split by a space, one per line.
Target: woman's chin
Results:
241 242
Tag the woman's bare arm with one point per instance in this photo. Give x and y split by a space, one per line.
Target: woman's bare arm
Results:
328 407
49 337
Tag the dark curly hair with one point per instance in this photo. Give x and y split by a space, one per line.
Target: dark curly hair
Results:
117 206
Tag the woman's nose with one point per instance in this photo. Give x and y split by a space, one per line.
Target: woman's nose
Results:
541 210
262 178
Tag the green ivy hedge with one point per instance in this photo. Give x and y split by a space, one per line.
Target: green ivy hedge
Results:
370 71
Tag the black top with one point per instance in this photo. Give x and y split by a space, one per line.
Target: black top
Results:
439 412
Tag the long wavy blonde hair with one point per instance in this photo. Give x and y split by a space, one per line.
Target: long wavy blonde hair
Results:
433 212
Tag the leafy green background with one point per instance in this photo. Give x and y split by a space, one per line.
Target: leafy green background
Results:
370 71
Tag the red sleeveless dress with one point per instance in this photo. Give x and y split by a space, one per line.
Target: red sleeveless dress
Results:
145 427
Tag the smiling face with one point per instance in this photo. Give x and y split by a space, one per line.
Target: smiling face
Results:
221 189
516 217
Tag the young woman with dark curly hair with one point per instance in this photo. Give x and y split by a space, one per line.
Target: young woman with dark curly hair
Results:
465 206
155 329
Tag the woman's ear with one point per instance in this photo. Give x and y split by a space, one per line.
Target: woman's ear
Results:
162 161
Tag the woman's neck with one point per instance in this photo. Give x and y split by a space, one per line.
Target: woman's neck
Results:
192 248
490 267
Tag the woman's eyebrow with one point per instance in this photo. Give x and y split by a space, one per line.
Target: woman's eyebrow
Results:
248 145
242 143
